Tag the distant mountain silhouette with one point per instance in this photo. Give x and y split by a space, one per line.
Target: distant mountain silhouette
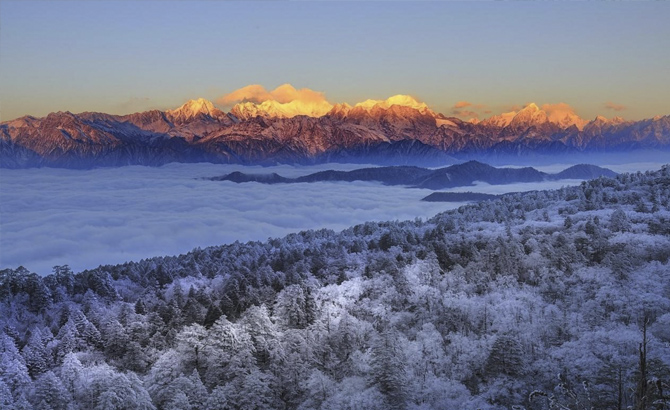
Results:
585 171
458 197
453 176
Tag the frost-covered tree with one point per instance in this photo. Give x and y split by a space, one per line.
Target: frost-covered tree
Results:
388 369
217 399
14 371
229 353
190 344
252 392
36 355
506 357
295 307
619 221
50 390
6 399
263 332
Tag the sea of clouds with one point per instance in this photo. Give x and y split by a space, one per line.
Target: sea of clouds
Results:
86 218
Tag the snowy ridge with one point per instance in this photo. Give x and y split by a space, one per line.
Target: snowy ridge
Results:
275 109
192 108
311 131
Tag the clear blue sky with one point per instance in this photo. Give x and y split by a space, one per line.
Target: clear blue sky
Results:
124 56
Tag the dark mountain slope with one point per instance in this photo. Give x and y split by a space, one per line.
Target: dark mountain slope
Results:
458 197
453 176
584 171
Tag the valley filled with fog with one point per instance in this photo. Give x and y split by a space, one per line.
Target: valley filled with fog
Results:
85 218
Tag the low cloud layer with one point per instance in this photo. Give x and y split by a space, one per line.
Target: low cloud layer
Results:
563 113
112 215
614 106
283 94
86 218
465 113
133 104
462 104
512 108
558 111
466 109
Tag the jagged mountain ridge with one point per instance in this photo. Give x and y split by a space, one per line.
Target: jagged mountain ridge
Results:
449 177
369 131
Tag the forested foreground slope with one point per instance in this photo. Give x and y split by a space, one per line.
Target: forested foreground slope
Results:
542 300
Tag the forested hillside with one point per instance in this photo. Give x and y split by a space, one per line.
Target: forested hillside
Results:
542 300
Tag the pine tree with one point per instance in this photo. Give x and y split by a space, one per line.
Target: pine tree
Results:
388 369
252 392
619 221
140 307
50 389
35 354
506 357
190 343
641 393
14 371
293 308
6 399
217 399
179 402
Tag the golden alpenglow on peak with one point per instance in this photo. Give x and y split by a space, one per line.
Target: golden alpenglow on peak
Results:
399 99
563 115
191 108
273 108
560 114
284 101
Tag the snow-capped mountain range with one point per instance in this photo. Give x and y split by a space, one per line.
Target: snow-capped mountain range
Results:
397 130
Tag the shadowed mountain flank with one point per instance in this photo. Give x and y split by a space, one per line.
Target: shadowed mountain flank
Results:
464 174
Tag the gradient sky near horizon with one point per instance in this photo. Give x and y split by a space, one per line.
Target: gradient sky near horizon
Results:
607 58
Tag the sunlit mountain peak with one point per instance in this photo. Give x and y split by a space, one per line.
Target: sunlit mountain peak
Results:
399 99
560 114
192 108
276 109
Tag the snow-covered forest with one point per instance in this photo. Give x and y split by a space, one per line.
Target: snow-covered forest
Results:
542 300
